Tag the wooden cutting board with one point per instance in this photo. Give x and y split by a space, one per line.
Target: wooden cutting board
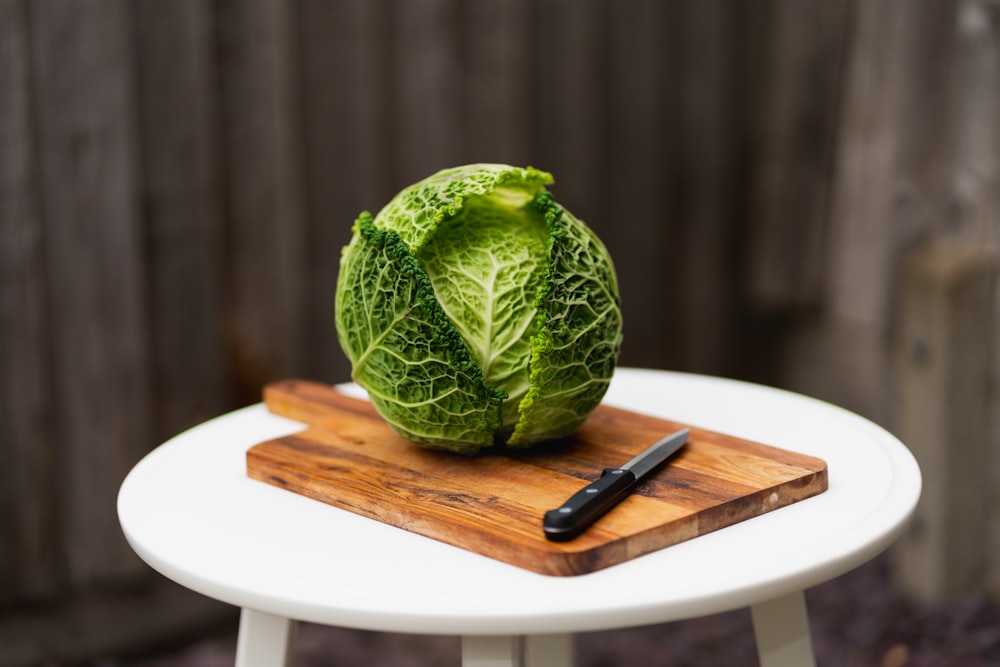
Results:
492 504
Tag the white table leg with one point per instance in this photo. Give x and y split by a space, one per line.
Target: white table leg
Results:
548 650
781 626
265 640
492 651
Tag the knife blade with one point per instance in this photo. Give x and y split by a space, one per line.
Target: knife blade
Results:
594 500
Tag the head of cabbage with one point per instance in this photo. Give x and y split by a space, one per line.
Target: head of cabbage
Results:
476 310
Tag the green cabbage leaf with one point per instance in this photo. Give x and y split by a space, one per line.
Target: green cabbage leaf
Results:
475 310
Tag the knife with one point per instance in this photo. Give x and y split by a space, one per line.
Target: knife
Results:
594 500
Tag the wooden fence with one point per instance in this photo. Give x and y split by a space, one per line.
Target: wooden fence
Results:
177 178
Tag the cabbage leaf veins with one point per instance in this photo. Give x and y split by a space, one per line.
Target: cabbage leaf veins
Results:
475 310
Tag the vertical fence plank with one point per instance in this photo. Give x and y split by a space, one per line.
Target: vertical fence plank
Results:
894 147
863 177
497 69
642 174
429 88
708 131
795 121
27 530
943 362
95 281
181 206
262 186
976 180
344 151
570 104
888 190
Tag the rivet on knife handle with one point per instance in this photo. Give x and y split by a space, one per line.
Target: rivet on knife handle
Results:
594 500
587 505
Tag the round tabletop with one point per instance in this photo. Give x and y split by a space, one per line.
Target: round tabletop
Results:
189 510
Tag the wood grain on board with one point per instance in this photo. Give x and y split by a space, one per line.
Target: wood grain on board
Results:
492 503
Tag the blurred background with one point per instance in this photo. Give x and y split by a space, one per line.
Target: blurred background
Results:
803 193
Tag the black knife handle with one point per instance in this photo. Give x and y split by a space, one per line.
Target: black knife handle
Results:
587 505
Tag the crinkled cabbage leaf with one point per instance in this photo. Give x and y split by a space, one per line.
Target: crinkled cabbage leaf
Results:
475 310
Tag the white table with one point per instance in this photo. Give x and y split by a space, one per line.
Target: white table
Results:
189 510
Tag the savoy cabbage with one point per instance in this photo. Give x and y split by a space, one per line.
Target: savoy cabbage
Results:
476 310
